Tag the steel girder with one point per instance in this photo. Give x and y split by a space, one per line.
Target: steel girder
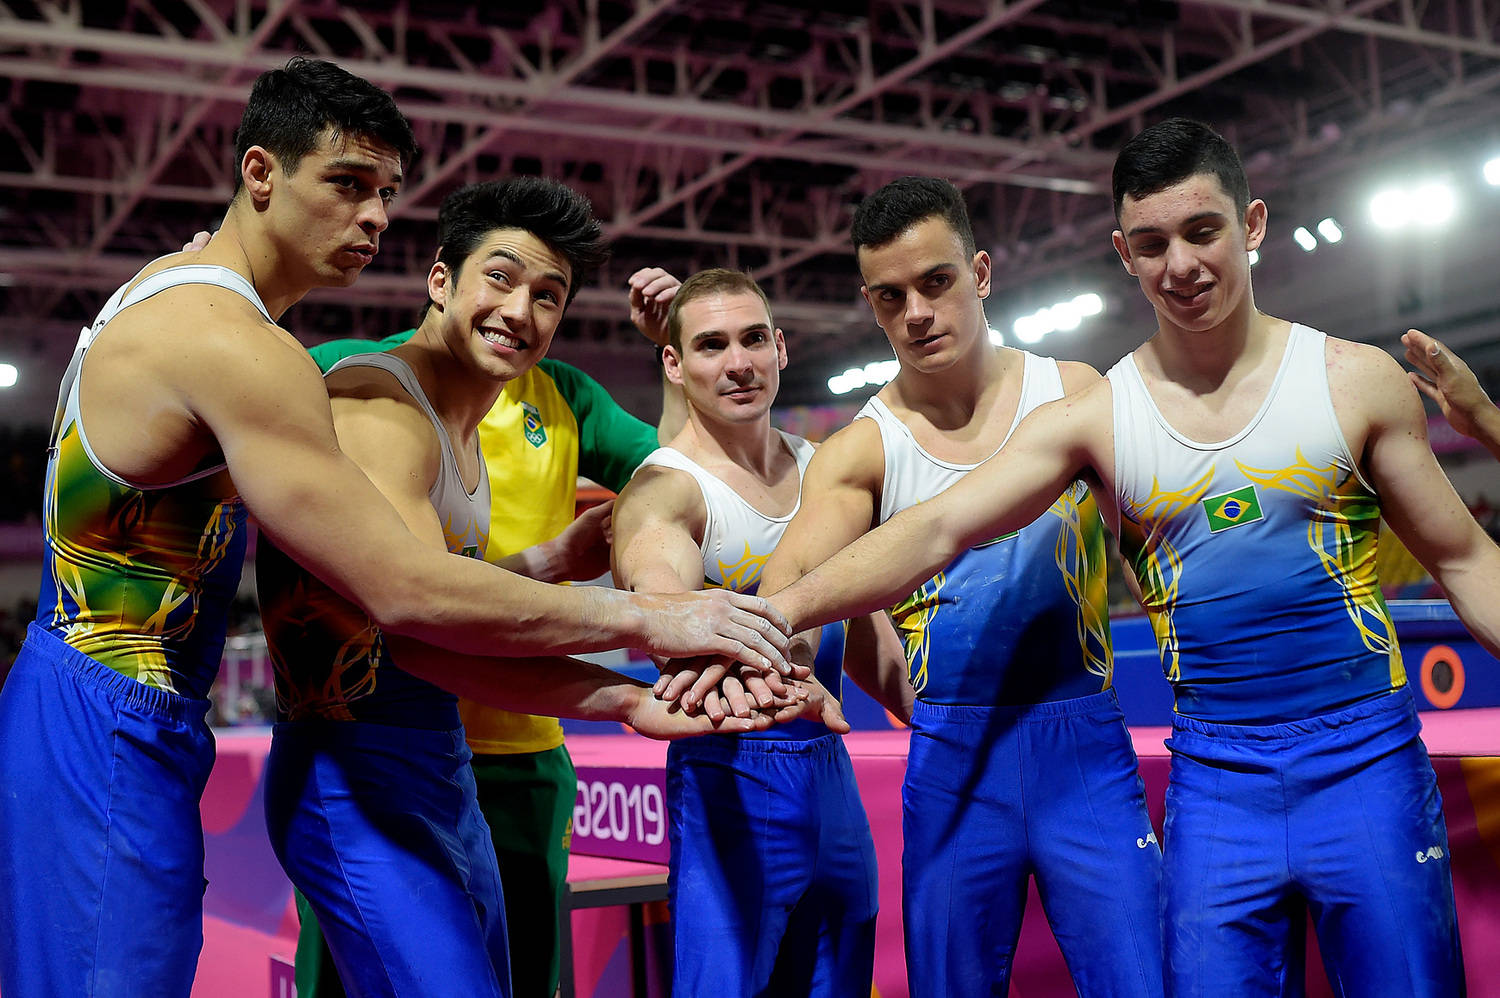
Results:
708 132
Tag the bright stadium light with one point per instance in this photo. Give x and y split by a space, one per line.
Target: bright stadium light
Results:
876 372
1330 230
1433 204
1059 317
1030 328
880 372
1305 239
1064 316
1390 209
8 375
843 384
1254 257
1088 304
997 337
1428 205
1492 172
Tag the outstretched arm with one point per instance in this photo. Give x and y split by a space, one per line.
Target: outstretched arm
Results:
263 400
840 497
1442 376
1054 445
561 687
394 443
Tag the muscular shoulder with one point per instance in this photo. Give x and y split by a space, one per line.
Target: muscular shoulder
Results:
1367 384
661 488
1076 375
199 318
854 455
1347 359
198 342
379 423
1080 424
1087 395
661 495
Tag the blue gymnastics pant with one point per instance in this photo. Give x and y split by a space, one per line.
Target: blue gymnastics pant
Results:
1338 815
101 871
772 881
379 827
995 795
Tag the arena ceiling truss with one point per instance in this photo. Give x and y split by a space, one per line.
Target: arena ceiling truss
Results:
707 132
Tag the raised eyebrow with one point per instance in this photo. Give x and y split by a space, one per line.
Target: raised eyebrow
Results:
1142 230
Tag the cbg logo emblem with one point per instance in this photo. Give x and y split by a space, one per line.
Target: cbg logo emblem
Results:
1433 852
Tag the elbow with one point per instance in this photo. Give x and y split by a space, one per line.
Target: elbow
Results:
953 532
393 608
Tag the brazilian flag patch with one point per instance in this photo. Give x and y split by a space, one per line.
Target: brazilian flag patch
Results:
1233 509
536 433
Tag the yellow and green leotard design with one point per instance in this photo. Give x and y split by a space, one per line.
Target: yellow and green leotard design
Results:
140 579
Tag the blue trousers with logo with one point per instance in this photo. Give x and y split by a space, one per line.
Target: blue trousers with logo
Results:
994 795
1338 815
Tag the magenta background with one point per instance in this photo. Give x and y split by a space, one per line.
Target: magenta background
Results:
587 841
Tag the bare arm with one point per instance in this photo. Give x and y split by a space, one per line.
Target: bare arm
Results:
840 494
659 522
394 443
263 400
1054 445
875 659
651 292
1416 498
1443 377
561 687
658 519
579 553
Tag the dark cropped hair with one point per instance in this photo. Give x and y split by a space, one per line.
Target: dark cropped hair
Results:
903 203
290 108
555 213
716 281
1170 152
